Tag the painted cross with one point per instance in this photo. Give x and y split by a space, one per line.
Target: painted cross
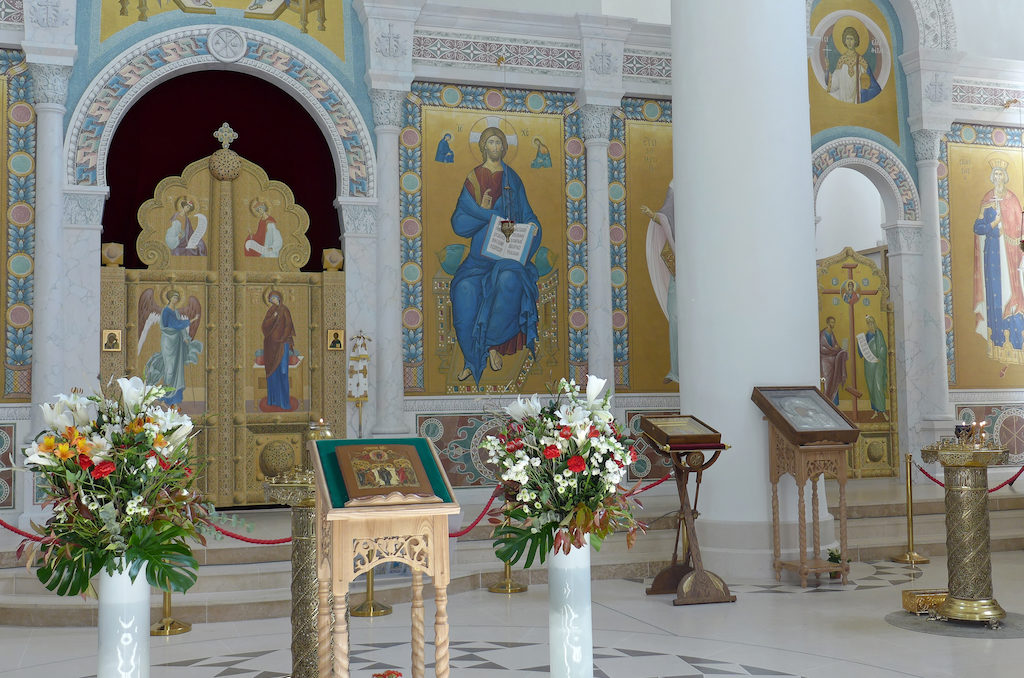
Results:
225 135
850 293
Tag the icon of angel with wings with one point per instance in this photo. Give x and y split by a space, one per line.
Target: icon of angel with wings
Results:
178 345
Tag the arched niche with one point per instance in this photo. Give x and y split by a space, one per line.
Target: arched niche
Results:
165 55
172 125
900 200
848 213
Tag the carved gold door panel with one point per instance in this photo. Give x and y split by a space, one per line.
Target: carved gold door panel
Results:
224 318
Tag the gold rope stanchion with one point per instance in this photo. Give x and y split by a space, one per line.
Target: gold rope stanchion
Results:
370 607
169 626
508 585
911 557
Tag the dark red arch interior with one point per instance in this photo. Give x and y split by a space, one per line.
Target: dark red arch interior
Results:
172 126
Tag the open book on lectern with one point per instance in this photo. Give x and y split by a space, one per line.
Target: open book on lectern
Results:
513 243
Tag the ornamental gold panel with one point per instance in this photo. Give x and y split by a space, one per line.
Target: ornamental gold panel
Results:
225 318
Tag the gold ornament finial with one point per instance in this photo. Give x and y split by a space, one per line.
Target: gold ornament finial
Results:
225 135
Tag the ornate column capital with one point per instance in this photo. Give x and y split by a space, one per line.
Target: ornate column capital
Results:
597 122
926 144
904 238
50 83
387 107
358 219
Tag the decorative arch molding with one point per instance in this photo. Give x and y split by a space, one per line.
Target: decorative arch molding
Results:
925 23
880 165
147 63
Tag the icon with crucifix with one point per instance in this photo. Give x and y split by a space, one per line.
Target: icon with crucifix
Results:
852 350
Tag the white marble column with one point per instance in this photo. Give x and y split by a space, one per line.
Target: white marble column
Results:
82 222
359 242
601 350
744 213
915 269
50 339
388 391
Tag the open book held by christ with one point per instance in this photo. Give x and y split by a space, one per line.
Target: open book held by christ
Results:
511 243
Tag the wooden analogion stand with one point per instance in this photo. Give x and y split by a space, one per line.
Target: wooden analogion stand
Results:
808 436
685 439
378 501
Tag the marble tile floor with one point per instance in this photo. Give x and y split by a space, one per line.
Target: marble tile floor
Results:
772 630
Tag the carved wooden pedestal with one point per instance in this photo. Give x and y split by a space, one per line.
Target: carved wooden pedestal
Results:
354 540
806 463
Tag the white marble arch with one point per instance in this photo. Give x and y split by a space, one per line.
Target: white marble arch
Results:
915 282
134 72
924 23
881 166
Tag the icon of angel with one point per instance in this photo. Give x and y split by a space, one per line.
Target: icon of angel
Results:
178 345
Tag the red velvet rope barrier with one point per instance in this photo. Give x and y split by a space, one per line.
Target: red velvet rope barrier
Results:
1001 485
652 485
475 522
249 539
15 530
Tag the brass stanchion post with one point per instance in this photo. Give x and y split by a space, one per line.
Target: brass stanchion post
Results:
911 557
169 626
370 607
507 585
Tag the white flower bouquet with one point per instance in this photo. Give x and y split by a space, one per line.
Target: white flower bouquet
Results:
119 478
561 466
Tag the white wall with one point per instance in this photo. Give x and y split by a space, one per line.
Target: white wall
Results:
652 11
850 213
990 28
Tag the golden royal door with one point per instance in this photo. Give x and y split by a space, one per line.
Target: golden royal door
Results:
250 346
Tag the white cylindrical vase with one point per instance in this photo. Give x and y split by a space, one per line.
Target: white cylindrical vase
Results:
123 625
570 629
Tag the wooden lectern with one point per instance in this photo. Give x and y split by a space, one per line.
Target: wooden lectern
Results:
685 439
377 501
809 436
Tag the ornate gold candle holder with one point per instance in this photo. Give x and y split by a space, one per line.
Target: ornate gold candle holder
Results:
969 560
297 490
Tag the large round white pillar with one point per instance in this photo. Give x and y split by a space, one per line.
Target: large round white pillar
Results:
388 391
746 262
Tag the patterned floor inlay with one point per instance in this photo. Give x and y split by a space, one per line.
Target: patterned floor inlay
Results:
470 658
873 574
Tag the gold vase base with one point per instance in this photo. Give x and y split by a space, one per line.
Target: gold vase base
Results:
507 586
985 610
923 601
168 626
911 558
371 608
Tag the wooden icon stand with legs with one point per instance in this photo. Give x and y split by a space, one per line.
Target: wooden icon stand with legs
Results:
685 439
808 436
378 501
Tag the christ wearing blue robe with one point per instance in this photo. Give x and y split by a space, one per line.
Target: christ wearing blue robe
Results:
494 302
